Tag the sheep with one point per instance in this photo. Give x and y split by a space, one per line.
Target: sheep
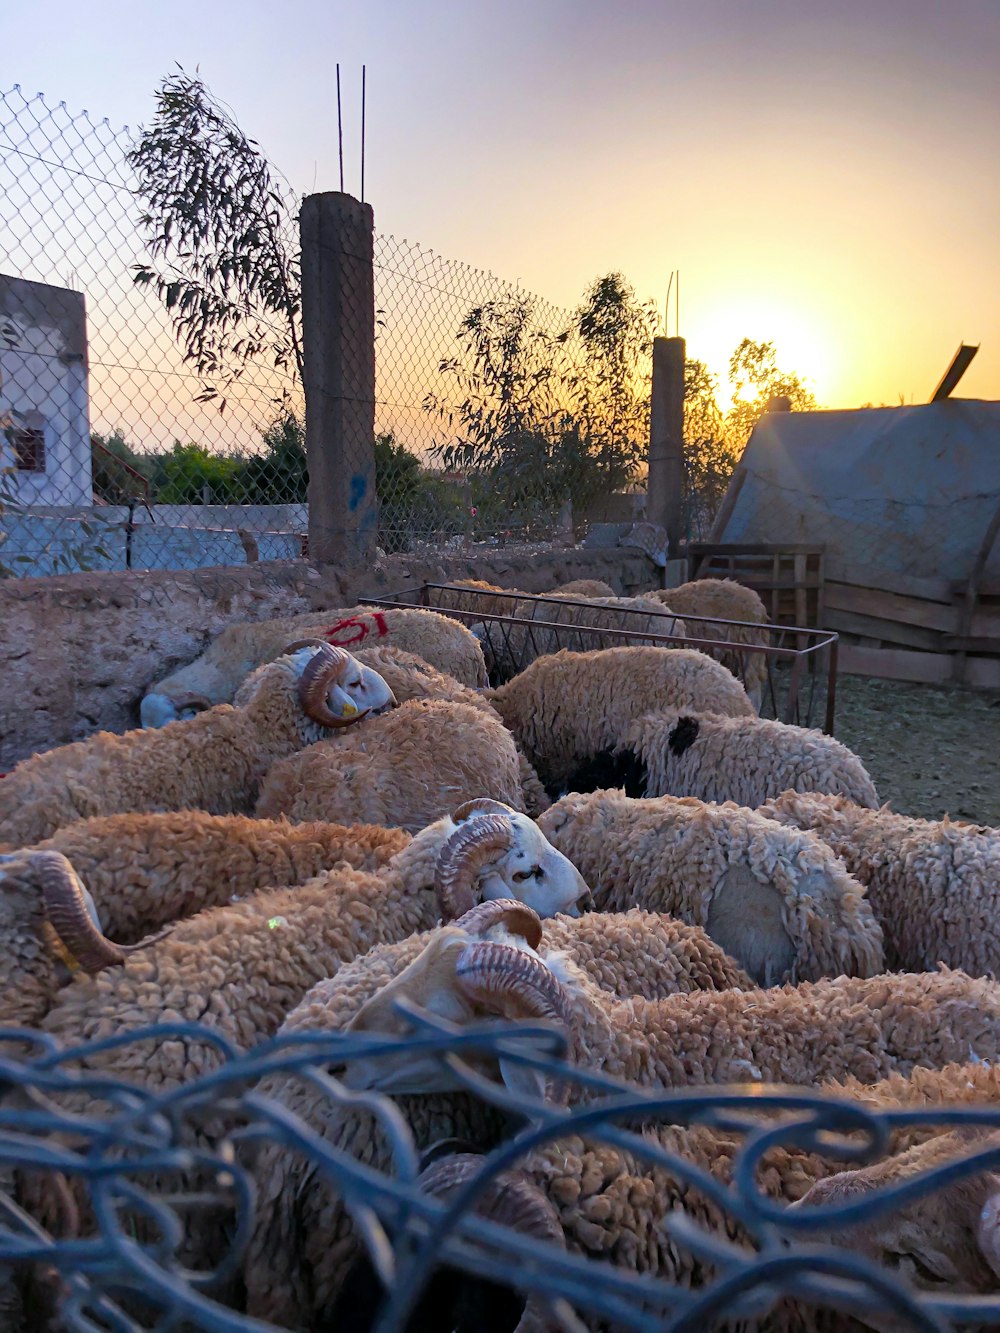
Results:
678 752
454 1298
707 605
239 969
934 885
785 908
584 588
242 966
300 1226
861 1026
51 931
412 679
480 598
569 707
214 676
213 762
508 649
147 870
403 770
617 1206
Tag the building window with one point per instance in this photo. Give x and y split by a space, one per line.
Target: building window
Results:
29 450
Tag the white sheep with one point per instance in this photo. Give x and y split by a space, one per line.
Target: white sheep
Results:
934 885
721 609
403 770
784 907
144 871
215 675
628 954
862 1027
679 752
213 762
239 969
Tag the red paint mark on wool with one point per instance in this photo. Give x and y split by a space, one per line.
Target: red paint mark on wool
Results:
354 630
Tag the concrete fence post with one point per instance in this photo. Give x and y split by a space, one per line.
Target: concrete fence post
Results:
338 336
665 487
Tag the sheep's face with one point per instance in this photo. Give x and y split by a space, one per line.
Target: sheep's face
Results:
361 690
157 709
335 689
481 968
534 872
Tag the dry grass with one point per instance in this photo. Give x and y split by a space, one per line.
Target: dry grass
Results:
929 751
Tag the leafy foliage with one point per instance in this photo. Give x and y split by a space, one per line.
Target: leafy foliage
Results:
756 379
216 221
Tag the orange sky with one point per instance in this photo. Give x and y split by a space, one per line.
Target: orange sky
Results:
827 177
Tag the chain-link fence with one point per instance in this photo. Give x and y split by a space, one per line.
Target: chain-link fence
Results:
629 1208
499 418
526 417
115 452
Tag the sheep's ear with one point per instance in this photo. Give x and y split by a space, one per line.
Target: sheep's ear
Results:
684 734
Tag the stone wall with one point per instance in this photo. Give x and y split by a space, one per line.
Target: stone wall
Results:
77 652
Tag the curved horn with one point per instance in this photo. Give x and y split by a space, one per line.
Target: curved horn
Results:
511 1198
482 805
524 987
73 916
463 856
296 644
325 666
199 701
517 917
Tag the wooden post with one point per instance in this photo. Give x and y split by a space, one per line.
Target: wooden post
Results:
665 487
338 333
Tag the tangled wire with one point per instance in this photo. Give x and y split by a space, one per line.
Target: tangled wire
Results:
113 1278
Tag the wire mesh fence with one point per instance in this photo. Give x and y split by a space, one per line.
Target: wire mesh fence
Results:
115 452
679 1219
499 418
526 416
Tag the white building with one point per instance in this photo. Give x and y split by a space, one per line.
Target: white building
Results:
44 423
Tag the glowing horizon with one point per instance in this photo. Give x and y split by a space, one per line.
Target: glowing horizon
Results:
824 180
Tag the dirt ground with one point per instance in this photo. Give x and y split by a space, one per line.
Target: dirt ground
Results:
929 751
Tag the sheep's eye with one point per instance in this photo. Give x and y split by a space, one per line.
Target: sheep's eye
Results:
536 872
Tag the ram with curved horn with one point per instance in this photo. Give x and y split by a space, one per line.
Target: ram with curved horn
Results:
214 762
845 1027
244 966
51 931
238 650
637 953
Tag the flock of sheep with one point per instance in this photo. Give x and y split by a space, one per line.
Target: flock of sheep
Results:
613 842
